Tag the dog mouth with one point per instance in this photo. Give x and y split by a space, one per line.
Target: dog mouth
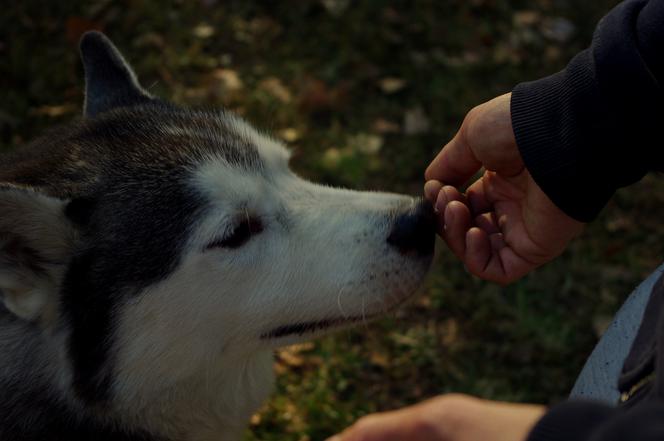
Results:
312 327
315 326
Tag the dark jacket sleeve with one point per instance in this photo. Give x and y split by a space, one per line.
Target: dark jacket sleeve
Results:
585 421
598 124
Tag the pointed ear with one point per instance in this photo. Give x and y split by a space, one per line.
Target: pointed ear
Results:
109 80
36 242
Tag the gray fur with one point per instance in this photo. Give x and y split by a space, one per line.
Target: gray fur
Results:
125 315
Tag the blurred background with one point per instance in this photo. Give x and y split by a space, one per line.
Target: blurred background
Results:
365 93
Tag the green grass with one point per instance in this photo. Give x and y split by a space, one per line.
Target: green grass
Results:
317 78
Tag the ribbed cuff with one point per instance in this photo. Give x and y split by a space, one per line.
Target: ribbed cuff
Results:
571 421
594 127
555 123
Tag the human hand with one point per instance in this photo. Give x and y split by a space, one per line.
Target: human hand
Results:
448 418
504 226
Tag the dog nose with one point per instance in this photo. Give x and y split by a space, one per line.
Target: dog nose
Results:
414 231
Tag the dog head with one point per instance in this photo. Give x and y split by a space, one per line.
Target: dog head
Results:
158 240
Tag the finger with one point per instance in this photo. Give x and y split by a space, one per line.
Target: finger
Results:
431 190
497 242
446 195
388 426
483 256
514 266
457 223
485 193
487 222
441 196
491 258
477 253
511 223
478 199
455 163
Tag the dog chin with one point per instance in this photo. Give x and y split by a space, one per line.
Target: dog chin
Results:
294 332
301 329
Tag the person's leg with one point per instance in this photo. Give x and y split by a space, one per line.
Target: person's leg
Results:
598 379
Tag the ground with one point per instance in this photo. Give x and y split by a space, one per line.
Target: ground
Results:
365 94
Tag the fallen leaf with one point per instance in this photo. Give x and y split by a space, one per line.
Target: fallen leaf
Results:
302 347
383 126
54 111
289 134
228 79
203 31
335 7
416 121
276 88
365 143
620 223
255 419
289 358
331 158
391 84
601 324
379 359
315 96
526 18
449 333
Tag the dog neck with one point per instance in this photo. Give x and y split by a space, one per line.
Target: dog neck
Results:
212 404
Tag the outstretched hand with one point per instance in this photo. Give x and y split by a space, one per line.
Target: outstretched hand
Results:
448 418
504 225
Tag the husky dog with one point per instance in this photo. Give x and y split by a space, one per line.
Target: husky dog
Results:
152 258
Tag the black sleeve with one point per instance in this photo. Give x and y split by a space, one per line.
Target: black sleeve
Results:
585 421
597 125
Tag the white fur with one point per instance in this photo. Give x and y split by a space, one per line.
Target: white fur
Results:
191 362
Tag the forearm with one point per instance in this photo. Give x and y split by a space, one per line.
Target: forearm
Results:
586 421
594 126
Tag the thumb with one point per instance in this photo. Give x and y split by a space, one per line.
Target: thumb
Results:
388 426
456 163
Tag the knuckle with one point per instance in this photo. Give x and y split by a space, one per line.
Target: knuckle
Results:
363 429
426 427
454 412
474 127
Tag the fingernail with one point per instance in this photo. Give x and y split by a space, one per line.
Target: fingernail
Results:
334 438
448 217
431 190
441 202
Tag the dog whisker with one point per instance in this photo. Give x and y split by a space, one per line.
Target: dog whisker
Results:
364 315
341 309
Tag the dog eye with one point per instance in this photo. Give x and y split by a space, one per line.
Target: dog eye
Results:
240 235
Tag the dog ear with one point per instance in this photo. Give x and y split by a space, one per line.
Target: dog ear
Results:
109 80
36 242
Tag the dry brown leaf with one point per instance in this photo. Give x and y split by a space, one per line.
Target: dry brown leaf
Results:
365 143
316 96
379 359
391 84
289 134
383 126
332 158
276 88
203 31
290 359
228 79
54 111
415 121
526 18
449 333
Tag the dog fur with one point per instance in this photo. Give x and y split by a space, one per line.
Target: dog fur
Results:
153 257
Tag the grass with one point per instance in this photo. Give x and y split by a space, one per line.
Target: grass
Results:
365 95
